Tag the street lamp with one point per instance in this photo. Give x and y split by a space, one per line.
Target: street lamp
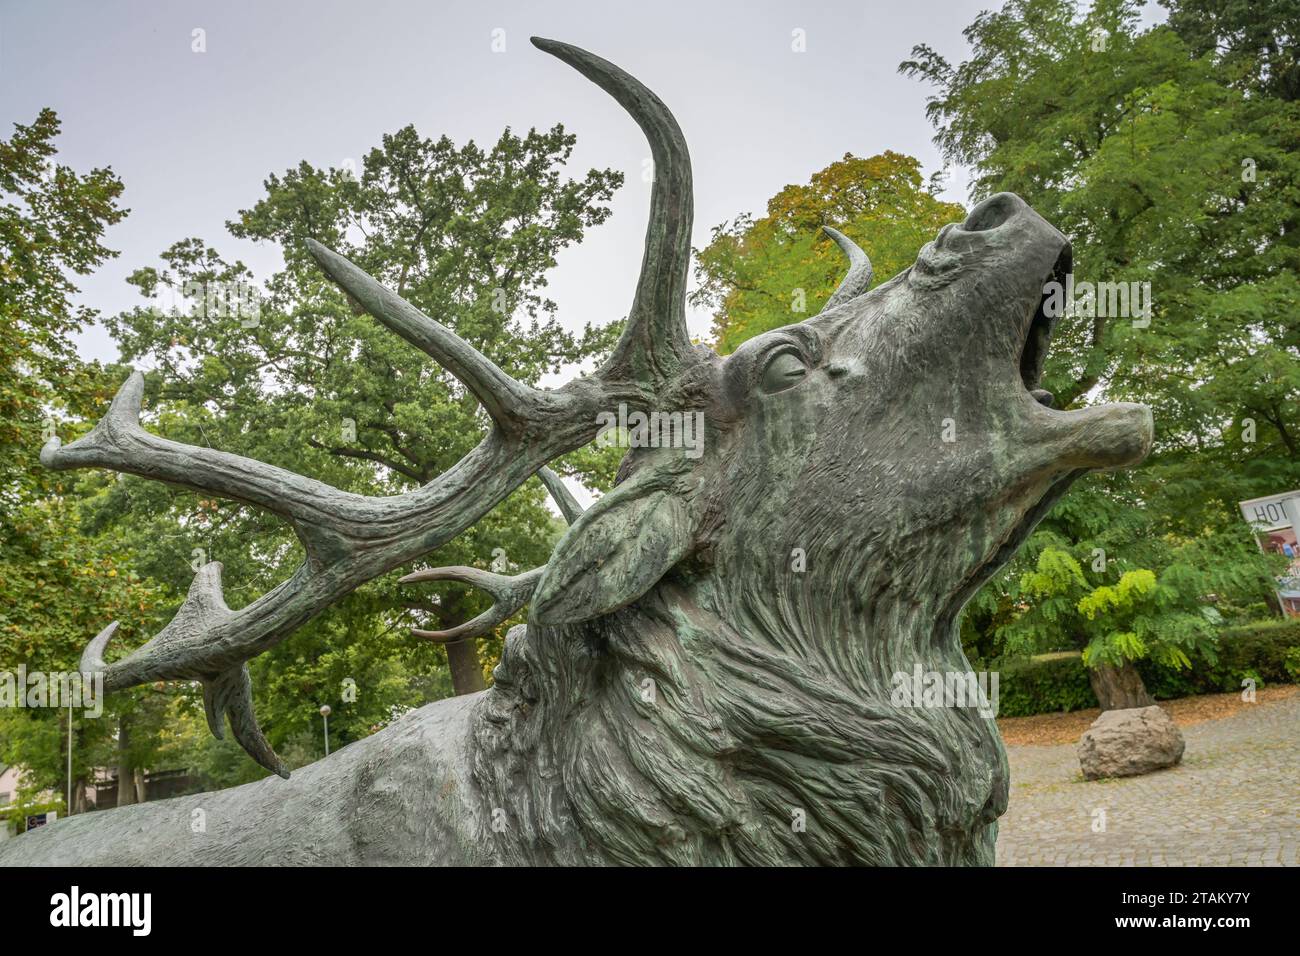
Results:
69 806
325 713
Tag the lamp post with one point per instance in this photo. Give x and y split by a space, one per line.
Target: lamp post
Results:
325 713
69 806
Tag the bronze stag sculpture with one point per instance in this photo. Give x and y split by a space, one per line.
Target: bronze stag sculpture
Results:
684 692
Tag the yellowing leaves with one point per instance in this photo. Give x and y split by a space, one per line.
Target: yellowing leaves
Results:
760 274
1132 587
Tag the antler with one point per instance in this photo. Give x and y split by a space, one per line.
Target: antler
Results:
567 504
349 538
655 343
857 279
509 593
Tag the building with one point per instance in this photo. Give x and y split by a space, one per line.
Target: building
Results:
100 793
8 796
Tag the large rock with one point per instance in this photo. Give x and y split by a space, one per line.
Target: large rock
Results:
1125 743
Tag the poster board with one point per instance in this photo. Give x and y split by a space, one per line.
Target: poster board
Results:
1275 519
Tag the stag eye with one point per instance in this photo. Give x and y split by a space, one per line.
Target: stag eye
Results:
784 370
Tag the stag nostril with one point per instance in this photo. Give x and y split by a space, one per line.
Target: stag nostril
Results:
993 212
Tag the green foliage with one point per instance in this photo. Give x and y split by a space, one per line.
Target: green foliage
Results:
1255 40
1137 615
1167 155
1291 664
1258 651
1261 648
61 585
51 222
1267 652
1052 683
60 589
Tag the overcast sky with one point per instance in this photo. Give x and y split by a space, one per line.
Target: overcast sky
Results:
193 134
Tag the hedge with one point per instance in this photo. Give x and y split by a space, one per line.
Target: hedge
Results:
1040 685
1267 651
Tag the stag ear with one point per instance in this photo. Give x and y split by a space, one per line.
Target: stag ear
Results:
620 547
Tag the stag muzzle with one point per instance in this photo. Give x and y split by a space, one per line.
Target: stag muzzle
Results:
991 277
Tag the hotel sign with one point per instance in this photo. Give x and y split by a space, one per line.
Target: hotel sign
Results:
1270 513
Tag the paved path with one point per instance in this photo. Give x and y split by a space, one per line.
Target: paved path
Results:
1233 801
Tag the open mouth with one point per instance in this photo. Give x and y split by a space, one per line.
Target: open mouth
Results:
1034 352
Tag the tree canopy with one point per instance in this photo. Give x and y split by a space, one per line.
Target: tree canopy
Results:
1168 155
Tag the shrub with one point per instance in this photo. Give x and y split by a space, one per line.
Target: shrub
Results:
1266 651
1048 683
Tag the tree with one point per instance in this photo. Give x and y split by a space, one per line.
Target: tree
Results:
60 585
1169 157
51 223
1136 618
1256 41
761 274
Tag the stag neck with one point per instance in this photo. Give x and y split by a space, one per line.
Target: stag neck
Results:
670 687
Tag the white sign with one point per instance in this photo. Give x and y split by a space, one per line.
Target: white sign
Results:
1270 513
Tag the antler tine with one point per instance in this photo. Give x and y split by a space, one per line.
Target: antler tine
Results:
92 658
505 400
857 279
509 594
655 343
226 693
565 501
119 442
230 694
164 656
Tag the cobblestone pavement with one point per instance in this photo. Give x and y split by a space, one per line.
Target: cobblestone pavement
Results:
1233 801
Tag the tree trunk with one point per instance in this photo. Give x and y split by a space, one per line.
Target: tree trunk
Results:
466 671
66 734
79 783
1119 688
462 656
126 794
141 792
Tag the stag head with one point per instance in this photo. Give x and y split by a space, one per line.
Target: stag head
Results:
861 474
899 440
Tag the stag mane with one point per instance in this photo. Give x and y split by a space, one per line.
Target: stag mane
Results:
664 732
691 726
